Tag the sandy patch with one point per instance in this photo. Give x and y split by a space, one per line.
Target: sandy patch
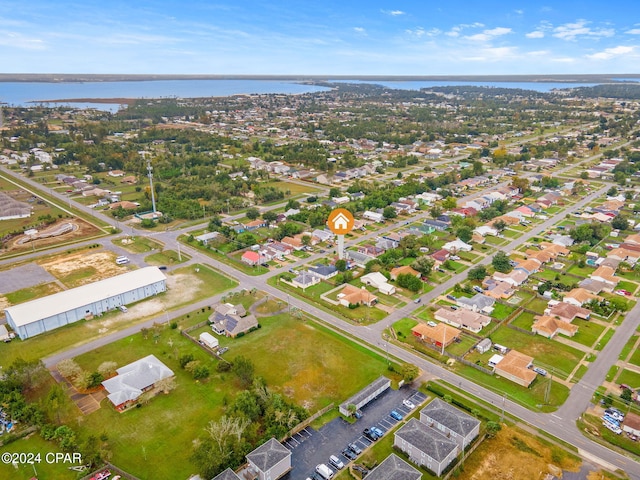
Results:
4 303
103 262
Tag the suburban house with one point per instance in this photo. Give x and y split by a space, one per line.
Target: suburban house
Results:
134 379
478 303
607 275
437 224
549 327
515 366
305 279
497 289
457 245
463 318
451 421
514 277
406 270
439 335
325 272
359 259
394 468
231 320
205 238
351 295
567 311
425 446
228 474
579 296
373 216
371 250
440 256
251 258
529 266
293 242
270 461
379 281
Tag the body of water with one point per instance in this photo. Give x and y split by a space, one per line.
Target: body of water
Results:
26 93
419 84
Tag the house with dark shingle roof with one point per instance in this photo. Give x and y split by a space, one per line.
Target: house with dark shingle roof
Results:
325 272
228 474
453 422
394 468
270 461
425 446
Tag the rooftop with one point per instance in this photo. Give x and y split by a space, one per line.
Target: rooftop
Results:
268 455
426 439
394 468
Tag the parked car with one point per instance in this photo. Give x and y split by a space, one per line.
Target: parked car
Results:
396 415
431 324
349 454
478 289
540 371
370 434
354 448
122 308
615 414
611 420
336 462
407 403
451 297
613 428
417 300
324 471
377 431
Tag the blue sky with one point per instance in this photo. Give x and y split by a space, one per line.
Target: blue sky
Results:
348 37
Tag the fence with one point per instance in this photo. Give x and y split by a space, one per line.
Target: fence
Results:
305 423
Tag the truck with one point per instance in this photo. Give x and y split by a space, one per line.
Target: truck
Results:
324 471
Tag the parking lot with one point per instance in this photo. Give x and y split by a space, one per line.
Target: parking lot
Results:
311 447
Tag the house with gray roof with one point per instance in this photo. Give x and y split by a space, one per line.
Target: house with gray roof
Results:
305 279
425 446
270 461
135 379
360 259
325 272
228 474
230 320
452 422
477 303
394 468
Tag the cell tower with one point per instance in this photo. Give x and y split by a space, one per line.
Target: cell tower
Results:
150 174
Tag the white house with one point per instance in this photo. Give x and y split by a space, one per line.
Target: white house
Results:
373 216
209 340
379 281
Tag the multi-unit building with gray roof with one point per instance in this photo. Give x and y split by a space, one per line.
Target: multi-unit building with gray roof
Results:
450 421
270 461
394 468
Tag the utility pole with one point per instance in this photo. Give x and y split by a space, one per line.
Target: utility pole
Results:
150 174
503 402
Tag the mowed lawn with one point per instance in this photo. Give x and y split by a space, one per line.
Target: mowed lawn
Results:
544 351
309 364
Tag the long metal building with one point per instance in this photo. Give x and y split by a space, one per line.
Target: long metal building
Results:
54 311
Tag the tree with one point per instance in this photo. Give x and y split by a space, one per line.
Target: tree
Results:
244 370
522 184
449 203
341 265
478 272
493 428
612 192
435 212
107 369
626 395
500 225
166 384
464 233
334 192
306 240
424 265
407 280
501 263
389 212
69 368
620 222
409 372
253 213
269 216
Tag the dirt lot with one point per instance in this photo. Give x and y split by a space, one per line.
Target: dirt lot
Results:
81 230
180 288
89 266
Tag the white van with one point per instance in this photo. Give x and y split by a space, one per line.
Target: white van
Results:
122 260
324 471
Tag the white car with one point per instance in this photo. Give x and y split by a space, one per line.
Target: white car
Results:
408 404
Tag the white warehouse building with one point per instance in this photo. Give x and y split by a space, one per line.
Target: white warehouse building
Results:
38 316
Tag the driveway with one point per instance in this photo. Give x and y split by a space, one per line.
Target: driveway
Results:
312 447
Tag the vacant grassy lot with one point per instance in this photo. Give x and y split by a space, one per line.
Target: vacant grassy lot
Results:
137 244
299 359
543 350
26 294
36 445
629 377
588 332
166 257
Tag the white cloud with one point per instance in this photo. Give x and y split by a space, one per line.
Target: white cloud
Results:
535 34
538 53
493 54
609 53
393 13
359 30
569 31
421 32
455 31
489 34
633 31
519 12
20 41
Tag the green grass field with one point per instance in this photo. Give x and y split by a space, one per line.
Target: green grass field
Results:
304 361
588 332
34 444
629 377
137 244
166 257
